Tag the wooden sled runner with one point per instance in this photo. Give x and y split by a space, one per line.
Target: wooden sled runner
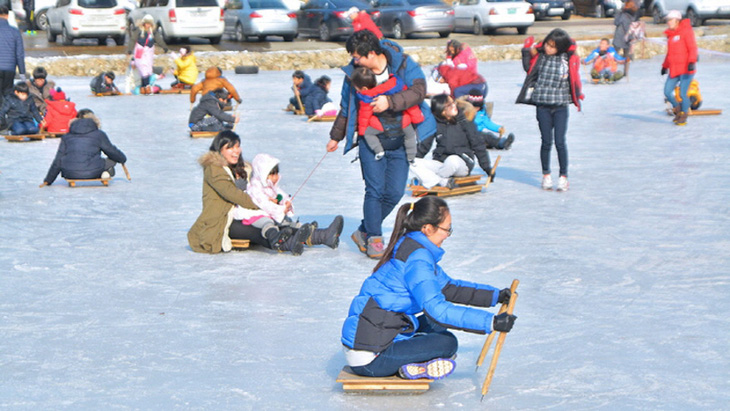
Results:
355 383
72 182
323 118
707 112
240 244
24 138
109 94
175 91
203 134
53 134
464 185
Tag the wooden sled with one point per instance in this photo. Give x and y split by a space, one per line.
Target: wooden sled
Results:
203 134
49 134
355 383
707 112
240 244
323 118
72 182
464 185
24 138
174 91
109 94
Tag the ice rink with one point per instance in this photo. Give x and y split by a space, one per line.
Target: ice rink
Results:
624 279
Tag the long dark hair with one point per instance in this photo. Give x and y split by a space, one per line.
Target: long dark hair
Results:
226 139
438 105
561 38
428 210
458 48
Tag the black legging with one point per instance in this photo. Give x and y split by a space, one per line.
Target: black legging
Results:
240 231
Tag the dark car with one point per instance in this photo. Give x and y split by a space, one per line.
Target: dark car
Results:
327 19
401 18
550 8
598 8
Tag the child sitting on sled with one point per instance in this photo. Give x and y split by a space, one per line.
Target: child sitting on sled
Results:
605 60
104 83
59 112
208 115
186 70
22 114
370 124
275 216
40 88
485 125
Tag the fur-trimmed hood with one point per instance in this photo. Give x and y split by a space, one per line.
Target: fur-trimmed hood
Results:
84 125
212 158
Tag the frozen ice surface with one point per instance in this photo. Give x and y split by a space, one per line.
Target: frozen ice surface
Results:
624 278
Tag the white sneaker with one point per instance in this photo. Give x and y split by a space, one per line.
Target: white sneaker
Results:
547 182
105 175
563 183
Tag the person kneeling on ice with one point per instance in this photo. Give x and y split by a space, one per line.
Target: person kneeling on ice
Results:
79 153
398 322
485 125
605 60
186 69
22 114
457 142
275 216
208 115
104 83
59 112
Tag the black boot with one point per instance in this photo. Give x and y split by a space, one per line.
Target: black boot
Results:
295 243
329 236
491 140
277 237
506 143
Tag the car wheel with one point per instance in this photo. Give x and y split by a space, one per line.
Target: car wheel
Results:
289 37
50 35
41 21
444 34
215 40
476 28
694 18
522 30
238 35
565 16
262 38
398 30
119 40
66 39
657 15
324 32
246 69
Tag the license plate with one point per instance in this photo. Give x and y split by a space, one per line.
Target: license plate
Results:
435 13
511 11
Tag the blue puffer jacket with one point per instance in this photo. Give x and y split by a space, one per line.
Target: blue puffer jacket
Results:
410 283
404 67
79 153
12 53
314 100
19 110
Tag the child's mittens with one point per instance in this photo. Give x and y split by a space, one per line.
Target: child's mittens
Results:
279 197
448 62
529 42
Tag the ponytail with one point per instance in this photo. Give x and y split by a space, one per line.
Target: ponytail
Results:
412 217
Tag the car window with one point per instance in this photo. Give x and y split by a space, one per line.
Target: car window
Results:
98 4
424 2
469 2
346 4
197 3
266 4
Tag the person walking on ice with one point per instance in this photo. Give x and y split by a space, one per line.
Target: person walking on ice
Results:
398 322
680 63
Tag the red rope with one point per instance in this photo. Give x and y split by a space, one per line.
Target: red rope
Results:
310 175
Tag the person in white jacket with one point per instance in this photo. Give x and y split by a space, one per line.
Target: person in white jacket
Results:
275 216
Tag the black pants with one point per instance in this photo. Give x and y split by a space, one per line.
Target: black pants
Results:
239 231
7 78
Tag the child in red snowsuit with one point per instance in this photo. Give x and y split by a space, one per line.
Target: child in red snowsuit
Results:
370 125
59 112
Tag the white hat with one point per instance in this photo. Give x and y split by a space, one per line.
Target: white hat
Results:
673 14
148 19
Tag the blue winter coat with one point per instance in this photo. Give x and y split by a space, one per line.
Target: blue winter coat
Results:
410 283
16 109
314 100
79 153
404 67
12 53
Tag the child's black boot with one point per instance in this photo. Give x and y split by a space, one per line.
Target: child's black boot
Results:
329 236
277 237
295 243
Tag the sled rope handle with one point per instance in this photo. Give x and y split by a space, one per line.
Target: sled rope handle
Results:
310 175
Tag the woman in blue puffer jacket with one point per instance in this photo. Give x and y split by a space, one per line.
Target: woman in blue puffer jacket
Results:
397 323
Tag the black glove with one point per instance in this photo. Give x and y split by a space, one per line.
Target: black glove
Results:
504 296
691 67
503 322
664 71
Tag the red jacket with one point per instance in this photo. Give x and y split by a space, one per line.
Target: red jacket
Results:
681 49
58 115
365 116
363 21
457 77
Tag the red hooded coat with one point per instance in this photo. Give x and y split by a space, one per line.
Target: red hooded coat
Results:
58 115
681 49
366 118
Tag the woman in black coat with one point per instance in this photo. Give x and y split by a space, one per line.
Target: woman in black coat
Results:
79 153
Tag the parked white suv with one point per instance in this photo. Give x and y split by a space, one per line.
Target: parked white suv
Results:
74 19
177 19
697 11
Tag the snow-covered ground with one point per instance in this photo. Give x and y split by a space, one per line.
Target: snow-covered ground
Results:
624 279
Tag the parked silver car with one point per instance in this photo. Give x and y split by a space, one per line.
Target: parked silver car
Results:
178 19
74 19
486 16
259 18
697 11
401 18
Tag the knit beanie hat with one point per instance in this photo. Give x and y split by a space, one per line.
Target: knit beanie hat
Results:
476 98
58 94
